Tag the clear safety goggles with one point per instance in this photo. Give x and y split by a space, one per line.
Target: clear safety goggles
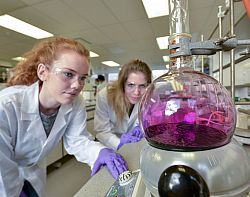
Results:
131 86
69 76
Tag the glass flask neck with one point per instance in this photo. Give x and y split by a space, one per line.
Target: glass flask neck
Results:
179 27
179 16
176 63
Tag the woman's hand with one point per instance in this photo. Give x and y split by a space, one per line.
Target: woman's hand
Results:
131 136
114 162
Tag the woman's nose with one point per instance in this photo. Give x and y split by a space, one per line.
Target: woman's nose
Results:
137 90
76 84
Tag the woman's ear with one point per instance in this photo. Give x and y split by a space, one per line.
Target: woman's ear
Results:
42 72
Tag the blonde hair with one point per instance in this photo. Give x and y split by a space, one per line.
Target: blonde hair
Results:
116 91
45 52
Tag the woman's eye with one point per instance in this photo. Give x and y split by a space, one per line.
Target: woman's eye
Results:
131 85
68 75
83 78
143 86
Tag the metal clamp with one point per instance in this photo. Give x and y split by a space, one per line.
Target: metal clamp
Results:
209 47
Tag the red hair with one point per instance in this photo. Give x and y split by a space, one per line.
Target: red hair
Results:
45 52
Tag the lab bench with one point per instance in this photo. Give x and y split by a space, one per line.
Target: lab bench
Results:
100 183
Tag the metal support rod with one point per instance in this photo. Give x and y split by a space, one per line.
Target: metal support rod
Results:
202 57
243 42
242 103
232 52
220 17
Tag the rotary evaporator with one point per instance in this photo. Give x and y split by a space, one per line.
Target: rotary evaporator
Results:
189 119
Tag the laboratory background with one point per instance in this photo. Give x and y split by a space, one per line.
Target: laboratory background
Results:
116 31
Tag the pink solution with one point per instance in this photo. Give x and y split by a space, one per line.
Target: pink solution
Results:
185 137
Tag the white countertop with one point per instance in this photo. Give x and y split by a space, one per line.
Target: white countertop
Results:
99 184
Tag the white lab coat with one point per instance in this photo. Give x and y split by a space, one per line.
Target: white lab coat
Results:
105 122
101 86
24 144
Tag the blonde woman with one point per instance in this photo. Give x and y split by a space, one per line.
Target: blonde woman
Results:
115 121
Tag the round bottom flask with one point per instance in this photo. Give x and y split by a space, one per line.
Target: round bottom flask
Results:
185 110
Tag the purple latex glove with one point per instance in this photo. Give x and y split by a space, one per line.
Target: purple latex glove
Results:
114 162
131 136
23 194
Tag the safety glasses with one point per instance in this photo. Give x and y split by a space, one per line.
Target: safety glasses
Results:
131 86
69 76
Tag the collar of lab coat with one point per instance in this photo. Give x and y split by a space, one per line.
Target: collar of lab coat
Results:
30 103
30 112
